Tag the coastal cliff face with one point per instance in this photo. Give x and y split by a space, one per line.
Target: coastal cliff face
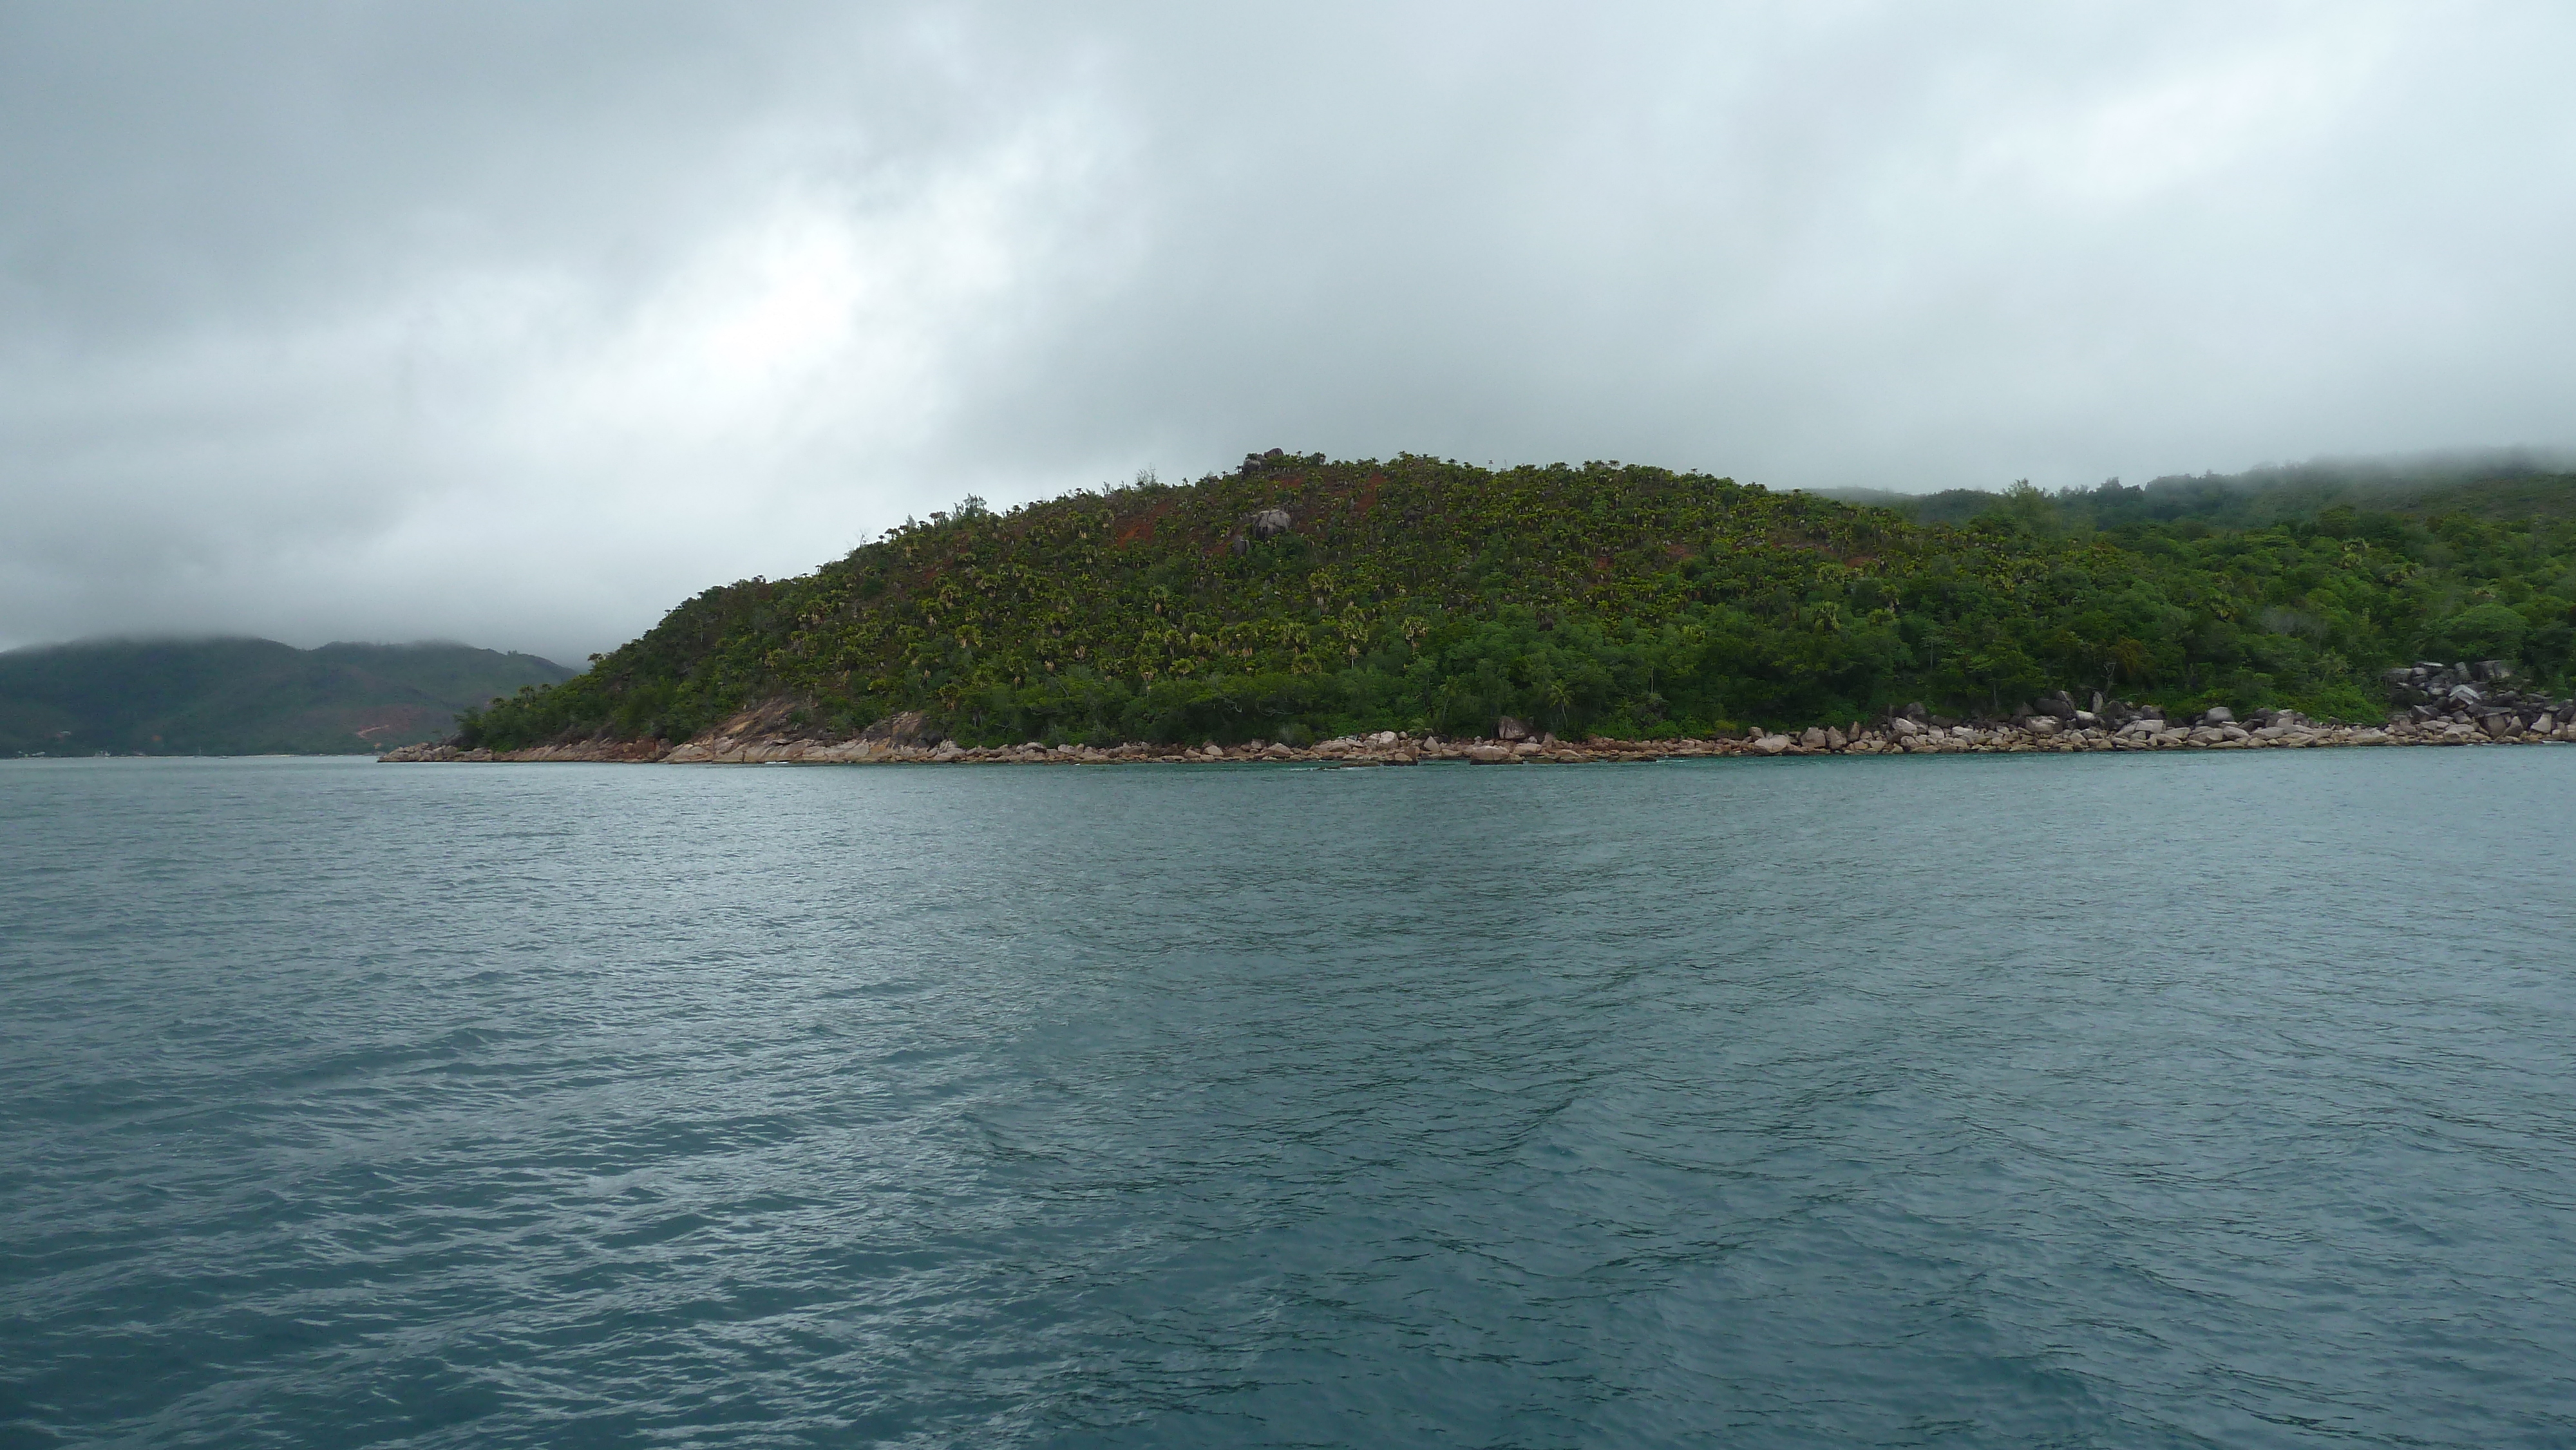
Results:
2449 708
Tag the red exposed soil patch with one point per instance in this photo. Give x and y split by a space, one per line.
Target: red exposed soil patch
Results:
1139 528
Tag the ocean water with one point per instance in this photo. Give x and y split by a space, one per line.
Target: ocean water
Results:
2135 1100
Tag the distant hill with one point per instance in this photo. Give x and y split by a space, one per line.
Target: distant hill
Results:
246 696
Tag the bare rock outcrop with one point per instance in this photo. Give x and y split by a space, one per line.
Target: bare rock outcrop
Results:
2442 705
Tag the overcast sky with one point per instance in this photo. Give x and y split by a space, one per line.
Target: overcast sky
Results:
518 323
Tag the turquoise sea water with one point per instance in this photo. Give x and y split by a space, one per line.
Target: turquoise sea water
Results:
2169 1100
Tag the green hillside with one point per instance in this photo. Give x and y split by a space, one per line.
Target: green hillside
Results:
246 696
1629 601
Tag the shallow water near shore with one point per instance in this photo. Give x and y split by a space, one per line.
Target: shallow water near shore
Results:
2112 1100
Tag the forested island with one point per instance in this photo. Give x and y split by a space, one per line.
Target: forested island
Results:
1299 599
236 696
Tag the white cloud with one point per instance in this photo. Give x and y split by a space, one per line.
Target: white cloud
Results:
521 325
2194 117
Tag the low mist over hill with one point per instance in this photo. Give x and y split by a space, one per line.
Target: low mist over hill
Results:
246 696
1298 594
2491 484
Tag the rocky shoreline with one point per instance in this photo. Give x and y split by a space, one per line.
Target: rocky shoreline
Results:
2442 705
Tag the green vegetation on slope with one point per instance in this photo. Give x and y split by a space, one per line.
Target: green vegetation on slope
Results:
1627 601
245 696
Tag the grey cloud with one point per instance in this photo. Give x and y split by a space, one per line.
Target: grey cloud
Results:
520 323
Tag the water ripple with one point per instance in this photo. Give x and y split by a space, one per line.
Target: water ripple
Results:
2124 1101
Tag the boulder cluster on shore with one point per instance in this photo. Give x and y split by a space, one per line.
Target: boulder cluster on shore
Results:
2442 705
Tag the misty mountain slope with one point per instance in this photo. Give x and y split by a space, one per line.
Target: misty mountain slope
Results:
2502 485
1302 595
246 696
